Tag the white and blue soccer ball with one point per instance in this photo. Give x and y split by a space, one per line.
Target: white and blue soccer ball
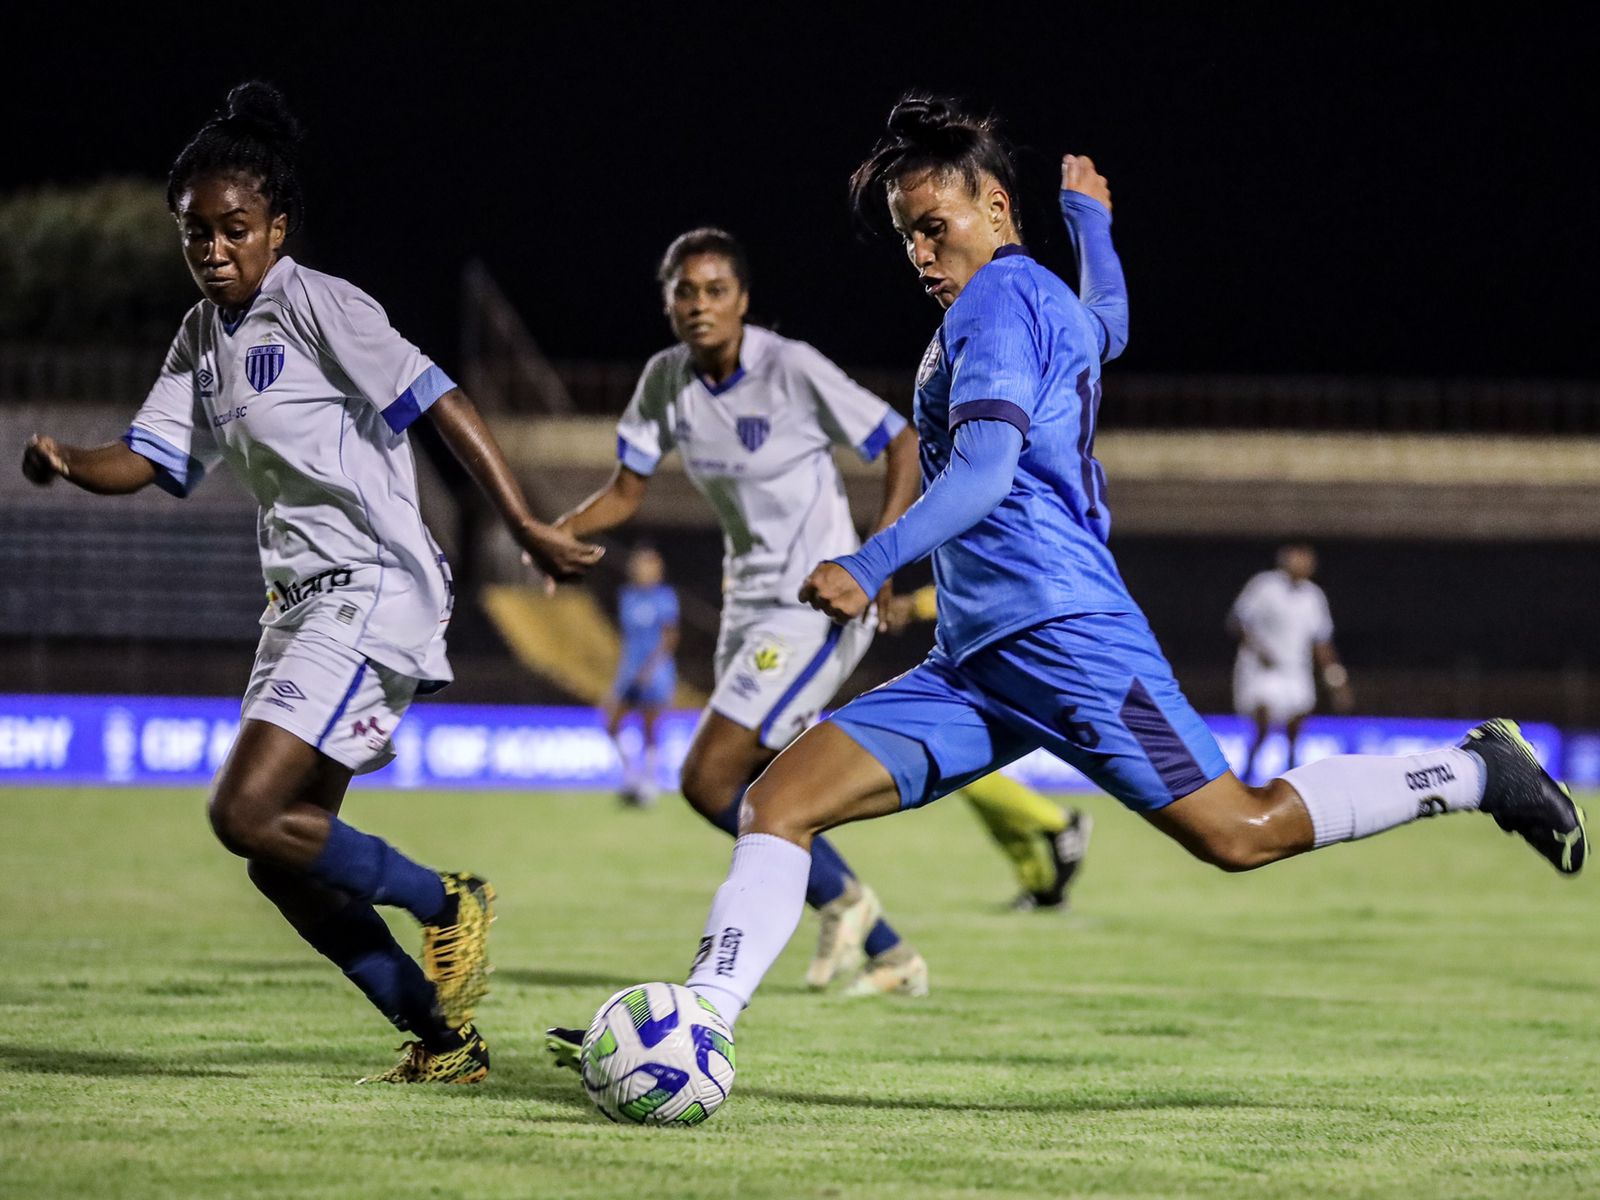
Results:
657 1054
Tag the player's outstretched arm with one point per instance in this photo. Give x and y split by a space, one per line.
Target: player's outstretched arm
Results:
1086 208
111 470
983 464
554 551
611 506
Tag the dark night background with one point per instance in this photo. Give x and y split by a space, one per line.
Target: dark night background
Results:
1350 191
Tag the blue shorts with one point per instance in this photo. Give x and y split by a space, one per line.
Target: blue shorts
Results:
654 691
1093 690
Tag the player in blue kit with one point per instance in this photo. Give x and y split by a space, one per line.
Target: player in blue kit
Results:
647 676
1039 643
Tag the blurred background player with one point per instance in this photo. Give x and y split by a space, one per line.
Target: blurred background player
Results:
1045 842
1285 634
755 417
1040 644
298 382
647 614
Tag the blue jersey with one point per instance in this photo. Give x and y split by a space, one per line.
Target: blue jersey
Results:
644 613
1018 346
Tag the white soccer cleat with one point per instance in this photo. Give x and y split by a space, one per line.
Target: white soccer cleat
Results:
899 971
846 921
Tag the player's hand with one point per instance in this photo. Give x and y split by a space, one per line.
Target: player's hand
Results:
833 590
1078 175
42 461
882 602
557 553
898 614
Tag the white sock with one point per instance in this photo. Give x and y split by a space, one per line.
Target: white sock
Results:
1354 796
753 916
648 773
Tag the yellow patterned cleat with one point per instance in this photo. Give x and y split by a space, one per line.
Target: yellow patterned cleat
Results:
846 921
455 948
469 1063
899 970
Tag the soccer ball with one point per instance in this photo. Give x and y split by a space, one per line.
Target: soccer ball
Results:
657 1054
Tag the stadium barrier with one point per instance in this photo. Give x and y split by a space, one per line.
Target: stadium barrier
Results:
180 741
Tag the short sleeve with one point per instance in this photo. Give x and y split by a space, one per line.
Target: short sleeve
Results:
170 428
1324 630
354 333
1248 604
643 434
991 340
850 414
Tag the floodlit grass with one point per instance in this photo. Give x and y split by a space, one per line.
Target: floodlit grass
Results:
1410 1017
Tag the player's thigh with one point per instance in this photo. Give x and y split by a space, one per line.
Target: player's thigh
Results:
927 729
823 780
1098 693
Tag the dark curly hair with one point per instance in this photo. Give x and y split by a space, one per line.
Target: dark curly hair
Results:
255 134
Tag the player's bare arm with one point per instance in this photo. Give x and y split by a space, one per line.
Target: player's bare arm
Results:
110 470
555 551
833 590
613 505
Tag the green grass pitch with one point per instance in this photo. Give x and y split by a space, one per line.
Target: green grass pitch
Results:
1410 1017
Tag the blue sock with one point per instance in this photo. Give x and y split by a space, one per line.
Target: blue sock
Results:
356 940
372 870
881 938
829 874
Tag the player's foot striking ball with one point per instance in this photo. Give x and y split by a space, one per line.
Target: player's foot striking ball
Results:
275 365
1522 798
467 1062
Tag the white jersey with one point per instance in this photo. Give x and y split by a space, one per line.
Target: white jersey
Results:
757 446
1283 618
307 397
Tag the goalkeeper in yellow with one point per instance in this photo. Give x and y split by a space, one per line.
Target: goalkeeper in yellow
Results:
1045 842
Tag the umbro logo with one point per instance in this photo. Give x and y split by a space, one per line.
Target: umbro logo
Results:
287 689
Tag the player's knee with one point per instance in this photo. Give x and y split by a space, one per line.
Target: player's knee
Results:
238 823
707 785
777 807
1232 850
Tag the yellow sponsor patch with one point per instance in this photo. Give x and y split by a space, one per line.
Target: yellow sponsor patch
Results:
769 657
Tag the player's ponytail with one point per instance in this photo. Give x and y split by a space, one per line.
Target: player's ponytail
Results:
255 134
931 133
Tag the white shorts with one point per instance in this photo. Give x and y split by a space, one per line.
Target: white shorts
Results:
778 666
1285 695
328 696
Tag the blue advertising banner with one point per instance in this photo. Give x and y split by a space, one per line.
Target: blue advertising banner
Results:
181 741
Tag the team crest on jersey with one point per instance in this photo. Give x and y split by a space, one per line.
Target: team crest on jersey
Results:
262 365
753 432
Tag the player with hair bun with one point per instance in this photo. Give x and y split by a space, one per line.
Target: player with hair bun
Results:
1039 643
299 383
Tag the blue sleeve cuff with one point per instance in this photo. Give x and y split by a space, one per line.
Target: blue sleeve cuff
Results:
888 429
177 473
871 575
1078 204
417 399
635 459
994 410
